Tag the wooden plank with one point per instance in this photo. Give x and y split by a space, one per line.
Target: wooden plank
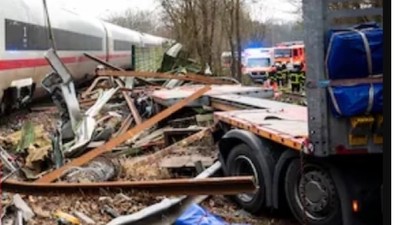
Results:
131 105
180 132
150 159
181 161
188 77
122 138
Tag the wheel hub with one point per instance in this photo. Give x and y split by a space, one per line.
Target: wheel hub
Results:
246 167
317 194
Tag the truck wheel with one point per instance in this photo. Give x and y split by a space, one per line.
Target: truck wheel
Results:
315 192
241 162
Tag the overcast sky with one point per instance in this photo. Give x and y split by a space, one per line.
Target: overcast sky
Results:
268 9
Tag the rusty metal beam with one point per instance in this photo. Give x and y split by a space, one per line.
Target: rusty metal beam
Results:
122 138
188 77
114 67
204 186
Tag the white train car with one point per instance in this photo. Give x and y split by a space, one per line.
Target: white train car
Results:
24 40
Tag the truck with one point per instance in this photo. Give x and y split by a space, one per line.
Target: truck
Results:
324 169
290 55
258 63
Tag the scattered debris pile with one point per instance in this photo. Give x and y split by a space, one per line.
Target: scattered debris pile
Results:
129 140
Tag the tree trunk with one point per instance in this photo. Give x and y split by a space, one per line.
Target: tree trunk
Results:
238 42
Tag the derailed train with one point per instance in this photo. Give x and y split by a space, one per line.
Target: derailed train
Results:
25 38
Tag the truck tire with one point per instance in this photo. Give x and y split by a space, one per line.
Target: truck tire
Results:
241 162
317 189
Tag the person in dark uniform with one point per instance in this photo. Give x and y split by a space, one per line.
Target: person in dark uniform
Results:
295 77
279 75
302 76
272 78
285 75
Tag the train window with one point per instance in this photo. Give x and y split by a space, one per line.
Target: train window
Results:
295 53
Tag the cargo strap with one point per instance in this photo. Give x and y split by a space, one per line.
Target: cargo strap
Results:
334 102
370 100
367 50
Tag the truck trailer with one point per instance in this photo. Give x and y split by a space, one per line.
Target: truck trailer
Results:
323 167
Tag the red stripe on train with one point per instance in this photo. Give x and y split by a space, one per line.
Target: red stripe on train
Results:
27 63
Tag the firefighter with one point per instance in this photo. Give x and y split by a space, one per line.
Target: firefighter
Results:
285 75
295 77
273 79
302 76
278 74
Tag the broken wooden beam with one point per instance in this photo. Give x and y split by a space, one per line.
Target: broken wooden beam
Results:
94 84
168 150
188 77
202 186
123 137
171 133
125 125
131 105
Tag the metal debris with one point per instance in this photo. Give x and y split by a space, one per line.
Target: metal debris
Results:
60 85
22 206
86 219
124 137
98 170
221 185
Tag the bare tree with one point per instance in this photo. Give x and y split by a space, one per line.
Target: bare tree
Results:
194 24
238 40
208 27
142 21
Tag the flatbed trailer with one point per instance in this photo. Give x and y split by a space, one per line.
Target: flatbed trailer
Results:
324 169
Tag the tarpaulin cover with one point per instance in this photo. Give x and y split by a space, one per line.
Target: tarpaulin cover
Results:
347 53
196 215
356 100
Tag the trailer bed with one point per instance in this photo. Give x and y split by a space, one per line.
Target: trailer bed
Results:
283 123
168 97
228 102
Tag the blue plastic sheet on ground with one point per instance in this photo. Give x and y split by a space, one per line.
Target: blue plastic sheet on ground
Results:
196 215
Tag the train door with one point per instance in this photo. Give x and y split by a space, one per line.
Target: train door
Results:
133 57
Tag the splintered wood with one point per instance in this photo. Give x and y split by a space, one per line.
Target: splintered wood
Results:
52 176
